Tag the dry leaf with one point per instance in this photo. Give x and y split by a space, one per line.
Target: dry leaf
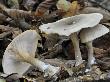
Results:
13 4
2 18
16 32
103 3
14 13
63 5
105 13
72 10
44 7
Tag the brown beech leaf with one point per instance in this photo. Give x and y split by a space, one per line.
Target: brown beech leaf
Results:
14 13
73 9
44 6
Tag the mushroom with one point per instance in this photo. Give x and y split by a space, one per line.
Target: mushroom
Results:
20 55
87 35
71 26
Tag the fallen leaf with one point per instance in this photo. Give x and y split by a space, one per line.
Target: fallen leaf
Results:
63 5
44 7
72 10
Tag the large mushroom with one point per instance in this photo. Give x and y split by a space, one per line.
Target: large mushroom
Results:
87 35
20 55
71 26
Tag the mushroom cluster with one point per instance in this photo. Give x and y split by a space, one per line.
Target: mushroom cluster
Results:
20 55
87 25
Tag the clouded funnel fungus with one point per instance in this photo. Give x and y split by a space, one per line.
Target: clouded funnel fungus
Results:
70 26
20 54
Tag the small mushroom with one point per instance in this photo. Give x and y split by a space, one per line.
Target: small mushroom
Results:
20 55
87 35
72 25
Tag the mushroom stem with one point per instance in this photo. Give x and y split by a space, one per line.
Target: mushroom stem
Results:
48 69
91 59
39 64
75 42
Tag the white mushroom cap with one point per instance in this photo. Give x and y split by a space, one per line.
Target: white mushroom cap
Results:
89 34
69 25
23 43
